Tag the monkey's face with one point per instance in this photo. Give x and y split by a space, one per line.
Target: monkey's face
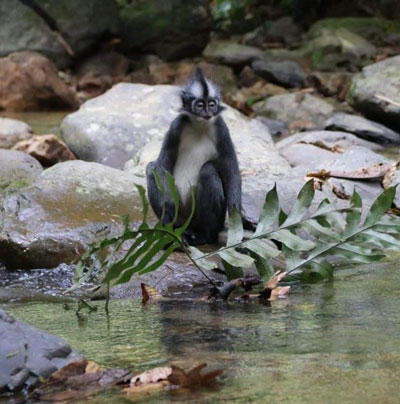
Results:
205 108
201 98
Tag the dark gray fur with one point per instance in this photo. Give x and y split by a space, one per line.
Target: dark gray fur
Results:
219 185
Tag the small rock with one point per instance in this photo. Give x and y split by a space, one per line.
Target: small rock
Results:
12 131
47 149
29 81
231 53
296 106
17 169
375 92
286 72
244 98
255 37
275 127
284 29
331 84
28 354
362 128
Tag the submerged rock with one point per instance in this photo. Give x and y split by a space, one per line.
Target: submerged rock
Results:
69 206
375 92
296 106
362 128
13 131
30 81
28 354
170 28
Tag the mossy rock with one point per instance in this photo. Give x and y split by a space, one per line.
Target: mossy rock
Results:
371 28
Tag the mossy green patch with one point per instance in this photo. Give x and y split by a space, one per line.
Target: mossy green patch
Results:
367 27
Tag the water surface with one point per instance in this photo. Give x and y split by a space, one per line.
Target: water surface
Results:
336 342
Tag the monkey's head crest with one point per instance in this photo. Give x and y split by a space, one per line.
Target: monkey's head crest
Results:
200 97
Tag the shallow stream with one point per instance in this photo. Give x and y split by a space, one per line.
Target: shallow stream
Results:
336 342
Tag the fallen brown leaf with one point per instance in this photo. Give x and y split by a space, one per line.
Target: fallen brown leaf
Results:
151 376
279 292
148 292
93 367
72 369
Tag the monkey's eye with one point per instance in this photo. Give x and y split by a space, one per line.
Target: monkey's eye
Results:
212 104
200 104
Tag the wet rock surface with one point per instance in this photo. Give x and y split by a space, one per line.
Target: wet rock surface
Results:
13 131
30 81
27 354
69 206
375 92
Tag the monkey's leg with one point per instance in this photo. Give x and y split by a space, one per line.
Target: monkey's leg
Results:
210 208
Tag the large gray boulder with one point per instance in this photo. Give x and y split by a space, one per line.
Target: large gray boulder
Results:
363 128
69 206
295 107
13 131
28 354
110 129
82 25
170 28
375 92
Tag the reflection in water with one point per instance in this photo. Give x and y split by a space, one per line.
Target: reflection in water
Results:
42 123
336 342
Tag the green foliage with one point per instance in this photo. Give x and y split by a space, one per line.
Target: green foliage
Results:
234 15
309 238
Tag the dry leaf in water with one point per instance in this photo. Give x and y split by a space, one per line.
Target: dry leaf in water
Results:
194 377
148 292
151 376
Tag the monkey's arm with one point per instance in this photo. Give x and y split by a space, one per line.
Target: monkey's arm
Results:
228 167
167 159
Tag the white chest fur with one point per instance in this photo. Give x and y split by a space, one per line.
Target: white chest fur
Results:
197 146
